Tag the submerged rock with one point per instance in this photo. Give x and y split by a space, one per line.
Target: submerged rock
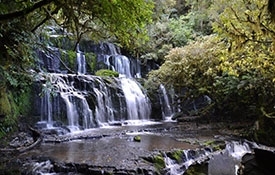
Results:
137 138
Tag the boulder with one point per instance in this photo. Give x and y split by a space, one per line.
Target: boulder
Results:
261 162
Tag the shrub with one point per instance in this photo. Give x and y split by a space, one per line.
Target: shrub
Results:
239 83
106 72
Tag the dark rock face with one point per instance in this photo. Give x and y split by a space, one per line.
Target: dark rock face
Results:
265 131
50 60
260 163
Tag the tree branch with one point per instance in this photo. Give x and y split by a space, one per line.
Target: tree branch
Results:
49 15
25 11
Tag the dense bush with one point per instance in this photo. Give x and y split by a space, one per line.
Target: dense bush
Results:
106 72
240 83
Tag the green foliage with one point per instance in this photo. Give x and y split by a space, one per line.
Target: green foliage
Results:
243 21
69 57
186 66
174 29
4 102
181 30
239 82
7 112
91 61
200 11
237 71
23 101
107 72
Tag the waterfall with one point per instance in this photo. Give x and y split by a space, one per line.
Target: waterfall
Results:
117 62
83 101
225 161
92 101
231 157
167 110
81 61
46 107
138 104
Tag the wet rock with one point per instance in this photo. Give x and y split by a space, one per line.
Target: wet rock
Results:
177 155
250 166
265 159
158 162
264 131
23 139
215 145
137 138
259 163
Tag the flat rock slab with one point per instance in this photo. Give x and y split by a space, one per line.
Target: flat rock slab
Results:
115 147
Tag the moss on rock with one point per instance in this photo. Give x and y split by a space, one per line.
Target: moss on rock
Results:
137 138
159 162
216 145
176 155
106 72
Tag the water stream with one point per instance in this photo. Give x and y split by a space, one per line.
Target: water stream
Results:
81 61
221 162
82 101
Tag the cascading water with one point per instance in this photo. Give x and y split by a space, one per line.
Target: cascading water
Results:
138 104
91 101
46 107
117 62
167 110
81 61
219 162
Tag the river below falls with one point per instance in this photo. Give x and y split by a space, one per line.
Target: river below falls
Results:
115 146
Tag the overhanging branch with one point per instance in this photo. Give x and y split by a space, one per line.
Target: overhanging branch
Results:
25 11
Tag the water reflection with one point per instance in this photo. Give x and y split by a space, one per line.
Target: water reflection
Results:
109 150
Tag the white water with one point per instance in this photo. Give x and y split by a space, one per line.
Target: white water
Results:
40 168
225 162
167 110
138 104
76 105
120 63
126 102
46 107
79 113
81 61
